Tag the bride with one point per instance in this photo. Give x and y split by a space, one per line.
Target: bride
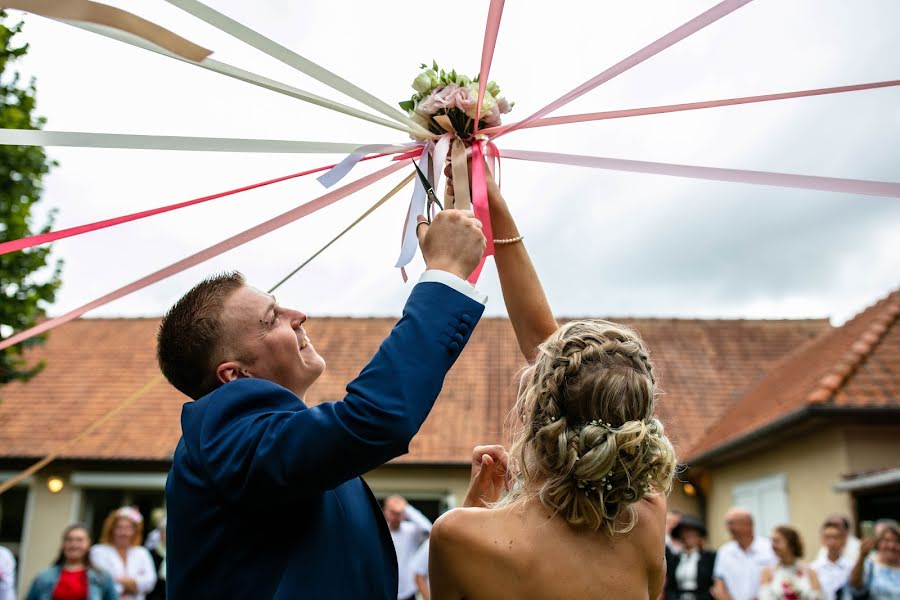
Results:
589 465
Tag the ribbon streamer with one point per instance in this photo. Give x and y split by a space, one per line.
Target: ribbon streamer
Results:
480 206
343 168
51 236
709 17
241 75
210 252
653 110
157 379
410 242
39 137
806 182
495 12
358 220
292 59
101 14
59 450
459 159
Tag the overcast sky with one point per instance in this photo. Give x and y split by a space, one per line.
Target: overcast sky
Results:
605 243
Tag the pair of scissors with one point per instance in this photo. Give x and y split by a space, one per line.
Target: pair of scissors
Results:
429 194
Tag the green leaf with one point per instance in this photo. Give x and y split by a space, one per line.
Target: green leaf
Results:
24 294
408 105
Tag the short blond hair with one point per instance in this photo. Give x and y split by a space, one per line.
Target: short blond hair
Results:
587 442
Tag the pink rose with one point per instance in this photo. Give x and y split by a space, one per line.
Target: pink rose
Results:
466 99
504 105
445 97
427 106
491 118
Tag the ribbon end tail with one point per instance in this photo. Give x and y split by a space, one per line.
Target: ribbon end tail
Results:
473 278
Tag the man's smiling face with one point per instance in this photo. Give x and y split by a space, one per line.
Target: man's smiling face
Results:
269 342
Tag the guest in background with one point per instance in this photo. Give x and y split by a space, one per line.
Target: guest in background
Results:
72 576
740 562
409 528
689 576
120 553
849 542
790 579
7 574
834 568
156 517
878 578
158 553
420 571
673 547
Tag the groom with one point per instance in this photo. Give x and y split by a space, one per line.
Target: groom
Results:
265 498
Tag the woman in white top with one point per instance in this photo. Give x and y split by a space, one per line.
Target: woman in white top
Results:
120 554
790 579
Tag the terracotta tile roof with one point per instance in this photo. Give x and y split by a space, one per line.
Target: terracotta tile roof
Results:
92 364
856 365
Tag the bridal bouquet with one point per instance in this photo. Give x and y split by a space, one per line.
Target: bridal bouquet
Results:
446 102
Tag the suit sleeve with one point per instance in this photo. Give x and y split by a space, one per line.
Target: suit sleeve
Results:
255 450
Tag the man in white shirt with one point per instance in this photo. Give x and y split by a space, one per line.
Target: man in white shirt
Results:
834 568
739 563
420 571
849 543
409 529
7 574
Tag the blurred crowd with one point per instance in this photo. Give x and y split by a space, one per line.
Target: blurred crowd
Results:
119 566
752 567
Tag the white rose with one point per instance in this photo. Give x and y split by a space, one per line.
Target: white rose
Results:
422 83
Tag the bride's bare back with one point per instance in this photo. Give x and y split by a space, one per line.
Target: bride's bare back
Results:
522 551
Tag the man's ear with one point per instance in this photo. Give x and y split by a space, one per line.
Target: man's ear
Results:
230 370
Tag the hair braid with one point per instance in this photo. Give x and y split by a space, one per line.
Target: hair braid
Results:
593 447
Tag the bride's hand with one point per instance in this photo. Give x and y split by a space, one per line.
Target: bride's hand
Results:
490 468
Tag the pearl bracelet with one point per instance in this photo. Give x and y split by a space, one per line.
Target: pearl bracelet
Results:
514 240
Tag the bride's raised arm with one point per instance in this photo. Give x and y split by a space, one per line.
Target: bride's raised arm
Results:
525 300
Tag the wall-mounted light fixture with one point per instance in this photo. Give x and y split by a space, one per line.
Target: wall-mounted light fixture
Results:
55 484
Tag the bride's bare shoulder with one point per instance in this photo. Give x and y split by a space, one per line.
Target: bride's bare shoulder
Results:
459 525
469 528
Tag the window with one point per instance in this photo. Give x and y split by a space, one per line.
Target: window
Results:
767 501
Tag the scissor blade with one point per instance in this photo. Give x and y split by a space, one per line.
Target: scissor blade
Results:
423 179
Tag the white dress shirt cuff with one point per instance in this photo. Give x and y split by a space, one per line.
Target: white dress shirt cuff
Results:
451 280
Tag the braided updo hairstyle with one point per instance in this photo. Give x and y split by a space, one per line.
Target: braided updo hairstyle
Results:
589 445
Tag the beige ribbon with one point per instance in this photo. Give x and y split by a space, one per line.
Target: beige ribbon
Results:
101 14
459 164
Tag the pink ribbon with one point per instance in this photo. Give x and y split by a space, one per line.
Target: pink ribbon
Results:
44 238
480 207
653 110
709 17
807 182
495 11
210 252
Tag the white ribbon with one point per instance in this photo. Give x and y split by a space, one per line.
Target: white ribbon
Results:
340 170
410 242
37 137
238 73
292 59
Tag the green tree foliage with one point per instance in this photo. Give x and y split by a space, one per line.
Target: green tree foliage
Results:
27 283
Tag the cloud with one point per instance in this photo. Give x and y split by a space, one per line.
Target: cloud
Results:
605 243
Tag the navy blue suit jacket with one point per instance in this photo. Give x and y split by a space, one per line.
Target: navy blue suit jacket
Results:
265 498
